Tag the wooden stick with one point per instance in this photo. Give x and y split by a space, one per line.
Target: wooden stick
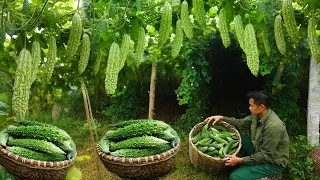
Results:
152 90
83 90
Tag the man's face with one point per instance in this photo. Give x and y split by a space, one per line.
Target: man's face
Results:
255 109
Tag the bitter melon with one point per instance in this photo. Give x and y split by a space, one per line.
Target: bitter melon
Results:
289 19
125 47
279 34
140 46
140 129
39 132
27 153
74 37
134 153
223 28
186 23
112 69
313 39
36 59
36 145
199 12
51 60
138 142
178 40
165 24
84 54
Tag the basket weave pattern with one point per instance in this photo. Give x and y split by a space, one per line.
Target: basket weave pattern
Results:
206 162
140 168
28 169
315 156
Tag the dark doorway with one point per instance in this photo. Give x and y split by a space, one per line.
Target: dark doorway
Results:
231 80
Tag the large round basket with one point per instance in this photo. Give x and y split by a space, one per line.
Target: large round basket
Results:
315 156
28 169
204 161
140 168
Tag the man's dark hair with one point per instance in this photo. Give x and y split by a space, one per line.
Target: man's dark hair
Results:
259 98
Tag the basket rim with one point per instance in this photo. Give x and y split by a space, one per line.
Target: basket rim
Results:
36 164
218 123
140 161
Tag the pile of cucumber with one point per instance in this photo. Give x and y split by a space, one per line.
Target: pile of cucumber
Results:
38 141
215 141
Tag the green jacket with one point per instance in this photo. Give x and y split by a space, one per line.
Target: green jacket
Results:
268 136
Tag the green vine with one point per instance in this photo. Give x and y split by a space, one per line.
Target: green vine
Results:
193 90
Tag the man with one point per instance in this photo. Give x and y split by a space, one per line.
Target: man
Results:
266 152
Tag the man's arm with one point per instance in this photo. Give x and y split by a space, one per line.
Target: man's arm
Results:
244 123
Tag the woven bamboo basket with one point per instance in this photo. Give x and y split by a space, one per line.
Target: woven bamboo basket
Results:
28 169
140 168
204 161
315 156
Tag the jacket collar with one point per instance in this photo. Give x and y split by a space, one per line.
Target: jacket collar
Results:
265 117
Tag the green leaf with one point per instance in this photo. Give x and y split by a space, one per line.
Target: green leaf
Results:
2 113
4 174
112 9
260 18
3 105
134 31
138 5
83 157
74 174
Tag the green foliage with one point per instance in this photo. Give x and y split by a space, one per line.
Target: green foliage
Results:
284 87
195 79
4 174
127 103
3 109
94 124
194 75
300 165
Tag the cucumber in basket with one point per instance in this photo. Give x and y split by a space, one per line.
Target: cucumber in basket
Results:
215 141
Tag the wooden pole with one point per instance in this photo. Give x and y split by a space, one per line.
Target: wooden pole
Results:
152 90
83 90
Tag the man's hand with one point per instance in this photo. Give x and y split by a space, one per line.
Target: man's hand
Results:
215 118
232 160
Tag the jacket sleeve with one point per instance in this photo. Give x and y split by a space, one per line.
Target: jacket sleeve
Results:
244 123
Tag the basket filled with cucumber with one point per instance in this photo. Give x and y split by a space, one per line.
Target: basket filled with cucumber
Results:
34 150
139 149
209 144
